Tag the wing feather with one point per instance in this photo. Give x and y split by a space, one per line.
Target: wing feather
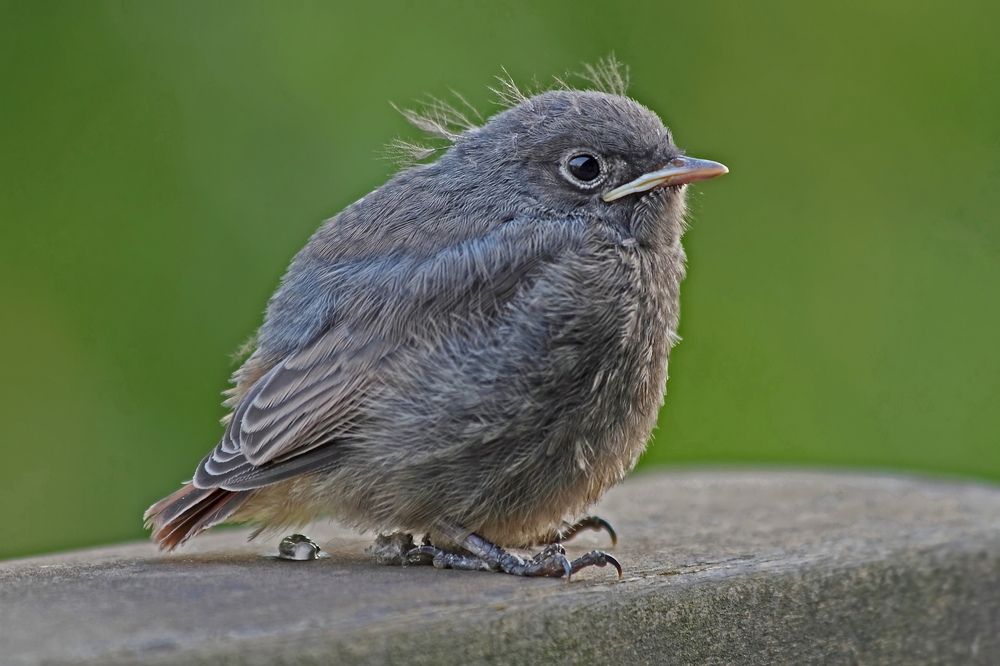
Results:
300 404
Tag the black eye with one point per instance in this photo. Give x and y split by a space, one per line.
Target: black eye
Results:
584 167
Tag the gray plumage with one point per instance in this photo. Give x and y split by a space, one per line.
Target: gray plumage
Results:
481 342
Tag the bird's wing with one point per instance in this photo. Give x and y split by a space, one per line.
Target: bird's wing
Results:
290 420
301 404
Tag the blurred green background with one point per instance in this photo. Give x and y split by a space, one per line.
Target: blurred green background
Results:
160 163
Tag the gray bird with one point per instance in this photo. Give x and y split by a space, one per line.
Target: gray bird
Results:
475 350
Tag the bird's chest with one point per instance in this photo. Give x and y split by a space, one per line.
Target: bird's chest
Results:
632 315
647 312
611 365
639 304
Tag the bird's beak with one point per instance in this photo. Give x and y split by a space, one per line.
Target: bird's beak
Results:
678 171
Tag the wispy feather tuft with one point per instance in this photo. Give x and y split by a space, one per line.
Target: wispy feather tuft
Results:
439 119
443 121
508 93
608 75
405 153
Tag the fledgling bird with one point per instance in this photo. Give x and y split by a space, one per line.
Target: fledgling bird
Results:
475 350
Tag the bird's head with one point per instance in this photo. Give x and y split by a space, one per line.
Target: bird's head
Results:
581 152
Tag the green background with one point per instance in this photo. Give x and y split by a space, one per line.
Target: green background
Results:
160 163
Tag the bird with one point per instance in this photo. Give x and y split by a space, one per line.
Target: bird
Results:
475 350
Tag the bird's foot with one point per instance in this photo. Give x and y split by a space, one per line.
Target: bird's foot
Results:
391 549
482 555
442 559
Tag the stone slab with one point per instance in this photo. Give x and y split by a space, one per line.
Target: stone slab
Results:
721 567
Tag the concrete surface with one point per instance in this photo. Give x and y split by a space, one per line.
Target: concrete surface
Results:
721 567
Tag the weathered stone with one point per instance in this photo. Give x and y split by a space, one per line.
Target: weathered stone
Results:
721 567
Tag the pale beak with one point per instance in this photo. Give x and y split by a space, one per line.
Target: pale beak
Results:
679 171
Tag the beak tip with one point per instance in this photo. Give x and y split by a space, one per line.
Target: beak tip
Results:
680 171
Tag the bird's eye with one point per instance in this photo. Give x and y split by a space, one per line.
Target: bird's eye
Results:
585 168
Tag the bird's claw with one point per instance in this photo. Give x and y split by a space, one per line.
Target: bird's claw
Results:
569 530
596 558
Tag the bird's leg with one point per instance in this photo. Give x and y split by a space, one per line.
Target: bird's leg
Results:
570 530
443 559
482 555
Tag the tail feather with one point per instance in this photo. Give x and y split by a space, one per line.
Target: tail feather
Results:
189 512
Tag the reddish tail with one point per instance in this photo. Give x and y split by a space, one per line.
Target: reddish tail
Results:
189 512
